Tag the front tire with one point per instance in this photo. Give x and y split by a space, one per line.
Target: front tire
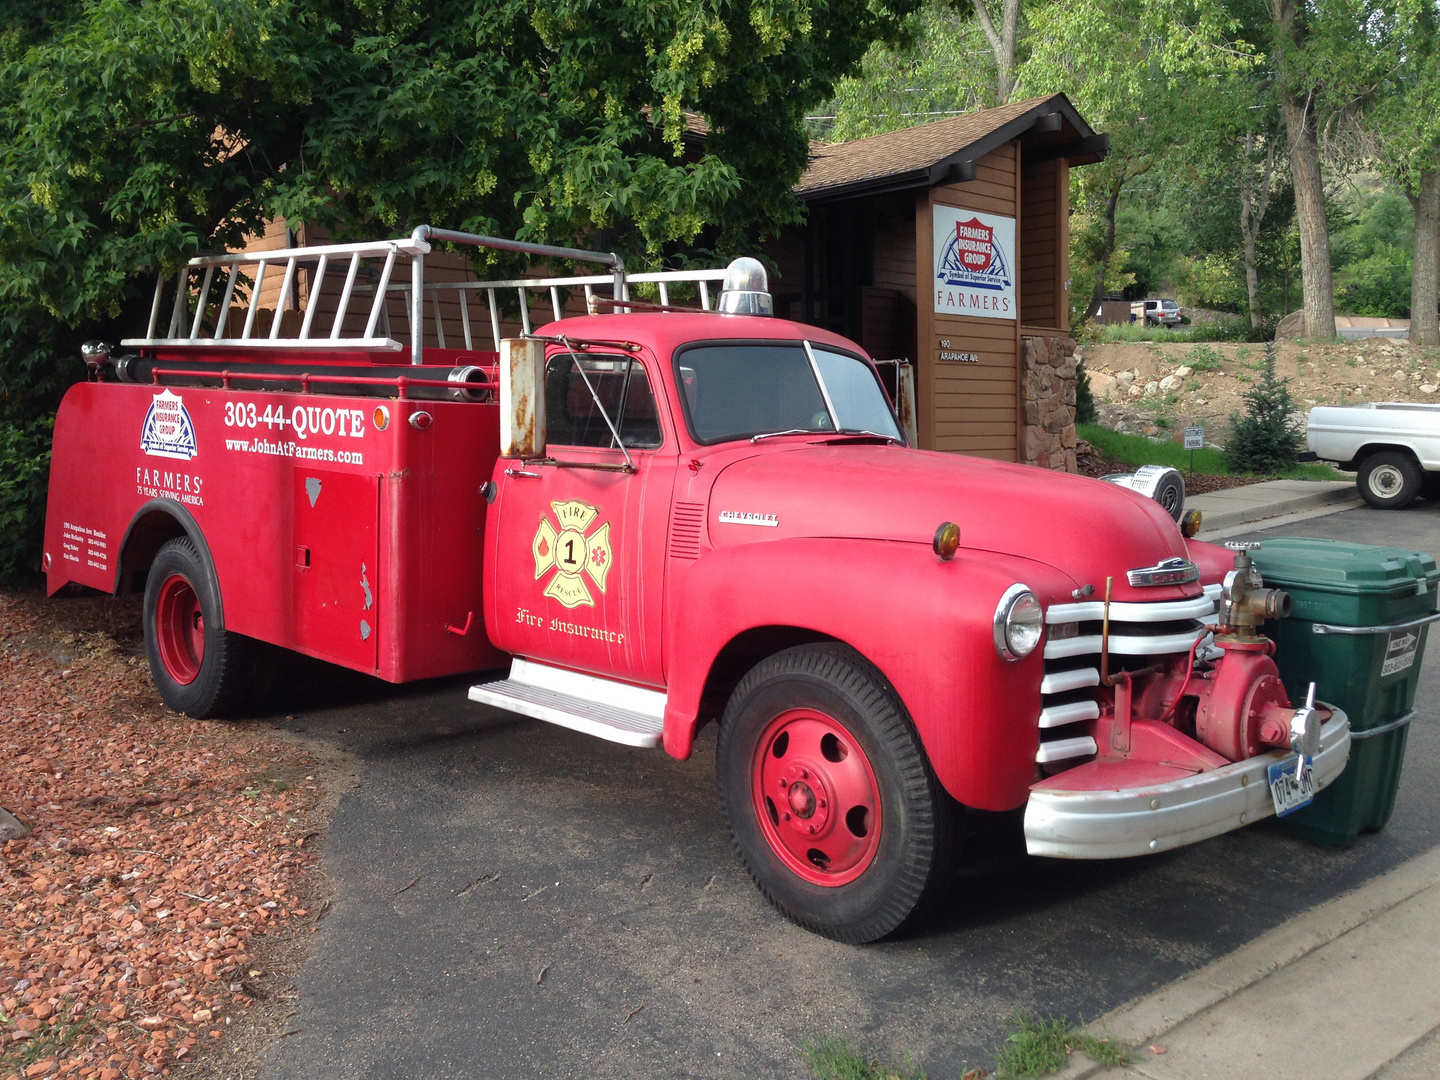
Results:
829 798
1389 480
198 668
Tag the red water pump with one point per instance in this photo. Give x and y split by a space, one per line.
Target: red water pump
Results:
1235 706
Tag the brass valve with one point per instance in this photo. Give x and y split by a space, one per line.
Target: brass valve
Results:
1246 603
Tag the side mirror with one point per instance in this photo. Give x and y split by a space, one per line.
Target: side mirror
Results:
522 398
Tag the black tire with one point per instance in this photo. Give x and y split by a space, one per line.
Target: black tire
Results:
1389 480
199 669
917 835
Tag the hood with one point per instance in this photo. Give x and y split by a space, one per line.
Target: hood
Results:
1085 528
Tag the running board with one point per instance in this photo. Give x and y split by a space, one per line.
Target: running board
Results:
604 708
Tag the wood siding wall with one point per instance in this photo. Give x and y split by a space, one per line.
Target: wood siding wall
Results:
1044 242
970 408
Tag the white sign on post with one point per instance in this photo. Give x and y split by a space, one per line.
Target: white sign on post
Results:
1194 438
975 264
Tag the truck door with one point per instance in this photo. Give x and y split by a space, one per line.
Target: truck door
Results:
579 572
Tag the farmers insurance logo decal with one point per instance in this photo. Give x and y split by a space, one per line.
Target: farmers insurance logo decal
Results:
974 263
167 431
572 554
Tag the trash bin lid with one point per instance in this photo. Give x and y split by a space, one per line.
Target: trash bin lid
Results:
1336 566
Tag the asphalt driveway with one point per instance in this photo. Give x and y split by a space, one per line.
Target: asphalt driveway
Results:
516 900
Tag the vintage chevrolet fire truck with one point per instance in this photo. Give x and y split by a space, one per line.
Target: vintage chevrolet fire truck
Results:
645 518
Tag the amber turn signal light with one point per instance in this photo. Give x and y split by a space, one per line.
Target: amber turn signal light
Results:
1189 523
947 540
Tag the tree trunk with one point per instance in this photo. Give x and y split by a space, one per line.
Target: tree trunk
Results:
1316 280
1425 268
1002 43
1253 205
1098 293
1298 107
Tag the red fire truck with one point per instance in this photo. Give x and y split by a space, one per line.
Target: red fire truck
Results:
648 517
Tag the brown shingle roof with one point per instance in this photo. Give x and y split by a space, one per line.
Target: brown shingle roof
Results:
914 150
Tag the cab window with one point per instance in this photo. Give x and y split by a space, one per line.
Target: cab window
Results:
573 384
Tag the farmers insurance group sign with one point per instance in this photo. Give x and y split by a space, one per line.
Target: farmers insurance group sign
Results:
975 264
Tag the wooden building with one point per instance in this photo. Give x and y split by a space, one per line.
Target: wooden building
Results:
948 244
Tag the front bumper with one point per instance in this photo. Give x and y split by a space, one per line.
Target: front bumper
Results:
1095 821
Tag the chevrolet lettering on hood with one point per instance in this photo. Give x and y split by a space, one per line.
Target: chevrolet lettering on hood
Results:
1174 571
745 517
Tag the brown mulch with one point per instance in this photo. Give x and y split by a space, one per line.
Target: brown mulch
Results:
166 853
1092 464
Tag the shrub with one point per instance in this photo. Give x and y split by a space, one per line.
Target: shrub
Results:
1204 358
24 477
1084 400
1263 440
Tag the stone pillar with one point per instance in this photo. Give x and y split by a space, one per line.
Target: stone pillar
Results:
1047 396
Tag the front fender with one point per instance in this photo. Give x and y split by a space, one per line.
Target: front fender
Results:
926 624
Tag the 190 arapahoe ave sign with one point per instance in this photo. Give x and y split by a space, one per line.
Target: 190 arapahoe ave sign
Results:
974 264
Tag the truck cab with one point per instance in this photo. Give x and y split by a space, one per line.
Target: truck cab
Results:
647 519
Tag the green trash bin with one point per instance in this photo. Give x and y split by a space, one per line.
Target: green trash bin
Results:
1357 630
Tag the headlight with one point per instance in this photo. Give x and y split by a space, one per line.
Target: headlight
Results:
1019 622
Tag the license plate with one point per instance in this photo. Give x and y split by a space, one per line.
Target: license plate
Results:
1288 791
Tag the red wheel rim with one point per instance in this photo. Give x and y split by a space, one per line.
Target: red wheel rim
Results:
816 797
180 629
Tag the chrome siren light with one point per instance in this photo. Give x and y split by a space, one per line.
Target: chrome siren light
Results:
746 290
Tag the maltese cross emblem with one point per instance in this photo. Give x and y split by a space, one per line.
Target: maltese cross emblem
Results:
566 549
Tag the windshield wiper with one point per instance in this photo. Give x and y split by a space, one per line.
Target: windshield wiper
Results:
787 431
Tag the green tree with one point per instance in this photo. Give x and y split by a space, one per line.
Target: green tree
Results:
940 65
134 131
1379 65
1264 440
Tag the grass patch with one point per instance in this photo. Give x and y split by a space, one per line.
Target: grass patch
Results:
1136 450
836 1059
1035 1047
1221 330
1204 358
54 1041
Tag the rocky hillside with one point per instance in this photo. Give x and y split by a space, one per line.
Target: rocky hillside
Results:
1154 386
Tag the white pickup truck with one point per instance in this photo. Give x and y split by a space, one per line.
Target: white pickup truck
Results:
1394 448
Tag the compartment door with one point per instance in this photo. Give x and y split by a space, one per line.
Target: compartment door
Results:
336 606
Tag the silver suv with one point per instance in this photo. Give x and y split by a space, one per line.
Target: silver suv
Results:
1155 312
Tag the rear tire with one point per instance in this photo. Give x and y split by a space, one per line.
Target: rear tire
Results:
199 669
830 800
1389 480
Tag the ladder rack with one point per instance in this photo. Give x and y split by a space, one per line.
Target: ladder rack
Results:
322 323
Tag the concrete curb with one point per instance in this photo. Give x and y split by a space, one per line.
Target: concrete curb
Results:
1146 1019
1234 508
1216 535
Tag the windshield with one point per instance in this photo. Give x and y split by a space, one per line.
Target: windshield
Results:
739 391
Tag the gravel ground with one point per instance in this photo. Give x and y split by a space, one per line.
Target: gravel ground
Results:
1333 373
171 879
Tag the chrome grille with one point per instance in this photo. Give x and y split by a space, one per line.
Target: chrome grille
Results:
1138 634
